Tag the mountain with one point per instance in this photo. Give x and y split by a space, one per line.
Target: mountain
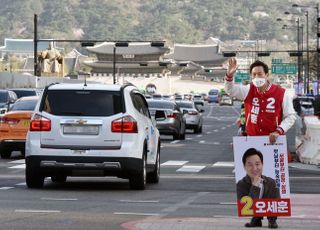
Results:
183 21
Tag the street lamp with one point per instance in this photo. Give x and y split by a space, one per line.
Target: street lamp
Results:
316 7
299 52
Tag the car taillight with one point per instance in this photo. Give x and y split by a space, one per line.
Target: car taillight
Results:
126 124
40 123
9 121
172 115
193 113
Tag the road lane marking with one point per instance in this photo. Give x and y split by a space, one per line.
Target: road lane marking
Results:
22 166
22 161
208 132
199 135
59 199
6 188
136 213
174 163
139 201
191 168
21 184
216 143
216 130
189 138
223 127
175 142
228 203
202 142
37 211
223 164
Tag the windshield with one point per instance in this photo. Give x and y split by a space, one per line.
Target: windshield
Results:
27 105
3 97
160 104
185 105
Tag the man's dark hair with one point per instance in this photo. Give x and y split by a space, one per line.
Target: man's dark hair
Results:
251 152
259 63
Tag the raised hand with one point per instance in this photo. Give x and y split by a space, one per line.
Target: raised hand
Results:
232 67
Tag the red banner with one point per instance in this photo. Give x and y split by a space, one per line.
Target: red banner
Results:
263 207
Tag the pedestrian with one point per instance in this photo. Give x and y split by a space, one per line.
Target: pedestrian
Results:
268 108
256 185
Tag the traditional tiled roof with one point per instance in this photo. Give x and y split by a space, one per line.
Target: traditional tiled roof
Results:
23 45
133 48
202 54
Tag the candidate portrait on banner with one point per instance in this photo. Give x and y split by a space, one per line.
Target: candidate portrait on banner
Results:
262 176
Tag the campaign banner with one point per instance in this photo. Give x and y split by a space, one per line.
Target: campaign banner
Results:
262 177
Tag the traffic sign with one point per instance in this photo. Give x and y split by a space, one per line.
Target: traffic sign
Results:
284 68
241 76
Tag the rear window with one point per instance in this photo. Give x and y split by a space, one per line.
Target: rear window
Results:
213 92
160 105
82 102
197 97
27 105
25 93
185 105
3 96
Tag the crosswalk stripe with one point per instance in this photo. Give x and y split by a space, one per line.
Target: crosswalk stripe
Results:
174 163
223 164
191 168
22 161
5 188
21 166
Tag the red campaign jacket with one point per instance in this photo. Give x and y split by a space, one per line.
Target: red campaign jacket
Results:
263 111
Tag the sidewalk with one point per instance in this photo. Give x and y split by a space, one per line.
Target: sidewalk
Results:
305 215
156 223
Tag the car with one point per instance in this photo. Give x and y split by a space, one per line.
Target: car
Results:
192 115
14 126
178 97
92 130
24 92
225 100
7 98
174 124
198 100
213 96
307 105
157 96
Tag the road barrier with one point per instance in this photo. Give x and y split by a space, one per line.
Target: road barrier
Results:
309 151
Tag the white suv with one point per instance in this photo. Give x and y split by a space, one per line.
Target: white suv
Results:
92 130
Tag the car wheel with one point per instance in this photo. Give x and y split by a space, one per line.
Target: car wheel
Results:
154 176
200 129
33 178
59 178
138 181
183 136
5 153
196 130
176 136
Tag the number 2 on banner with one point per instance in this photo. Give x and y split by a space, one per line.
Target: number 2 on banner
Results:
247 208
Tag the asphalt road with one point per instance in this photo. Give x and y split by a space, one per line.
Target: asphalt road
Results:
197 181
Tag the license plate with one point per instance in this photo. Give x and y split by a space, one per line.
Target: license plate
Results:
26 123
83 129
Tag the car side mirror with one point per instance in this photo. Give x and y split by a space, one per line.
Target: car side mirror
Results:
160 115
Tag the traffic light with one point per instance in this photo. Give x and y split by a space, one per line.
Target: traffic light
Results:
84 44
263 54
229 54
295 54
